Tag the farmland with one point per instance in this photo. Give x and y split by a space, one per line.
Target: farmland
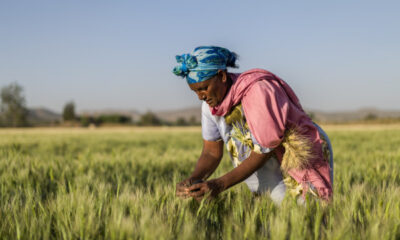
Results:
119 183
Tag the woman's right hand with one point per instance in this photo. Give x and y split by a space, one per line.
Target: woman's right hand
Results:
207 163
182 188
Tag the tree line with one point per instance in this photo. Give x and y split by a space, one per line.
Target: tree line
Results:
14 113
146 119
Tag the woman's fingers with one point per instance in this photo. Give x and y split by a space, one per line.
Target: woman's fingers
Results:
182 190
198 193
182 195
197 186
199 190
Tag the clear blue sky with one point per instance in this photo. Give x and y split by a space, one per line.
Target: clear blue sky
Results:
337 55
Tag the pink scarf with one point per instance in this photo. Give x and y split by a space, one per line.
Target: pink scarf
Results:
270 107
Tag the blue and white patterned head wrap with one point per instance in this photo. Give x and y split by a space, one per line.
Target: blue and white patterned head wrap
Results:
204 63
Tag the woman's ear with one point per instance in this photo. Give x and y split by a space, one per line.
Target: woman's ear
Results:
223 76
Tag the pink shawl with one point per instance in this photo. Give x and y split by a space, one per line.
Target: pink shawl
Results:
270 107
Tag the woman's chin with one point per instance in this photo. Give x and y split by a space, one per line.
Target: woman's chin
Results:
211 104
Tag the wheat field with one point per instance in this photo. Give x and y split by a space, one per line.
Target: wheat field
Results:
119 183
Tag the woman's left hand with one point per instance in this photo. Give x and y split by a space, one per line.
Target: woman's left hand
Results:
200 190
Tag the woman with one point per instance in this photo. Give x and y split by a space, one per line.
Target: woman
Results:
273 144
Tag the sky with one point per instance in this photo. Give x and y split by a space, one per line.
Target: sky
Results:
336 55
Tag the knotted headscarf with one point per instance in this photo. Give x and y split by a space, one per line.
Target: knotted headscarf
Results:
204 63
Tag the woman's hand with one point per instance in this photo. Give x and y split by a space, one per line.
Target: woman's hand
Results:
182 188
212 188
207 163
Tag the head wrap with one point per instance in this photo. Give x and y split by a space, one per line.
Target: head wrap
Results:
204 63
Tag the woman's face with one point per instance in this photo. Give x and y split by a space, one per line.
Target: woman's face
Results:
213 90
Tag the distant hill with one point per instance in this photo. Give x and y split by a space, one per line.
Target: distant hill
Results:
348 116
329 117
133 114
45 116
186 113
42 115
167 115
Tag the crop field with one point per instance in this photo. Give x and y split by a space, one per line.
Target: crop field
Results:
119 183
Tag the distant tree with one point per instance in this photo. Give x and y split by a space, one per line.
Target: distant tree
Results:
193 121
370 117
87 120
311 115
114 118
13 110
149 119
181 122
69 112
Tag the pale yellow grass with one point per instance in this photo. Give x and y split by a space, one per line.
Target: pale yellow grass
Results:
360 127
133 129
78 130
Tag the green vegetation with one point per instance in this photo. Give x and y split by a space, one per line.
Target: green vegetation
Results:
149 119
119 184
69 112
111 119
13 111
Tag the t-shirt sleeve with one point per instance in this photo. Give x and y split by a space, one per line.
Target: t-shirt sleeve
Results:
209 128
266 107
258 147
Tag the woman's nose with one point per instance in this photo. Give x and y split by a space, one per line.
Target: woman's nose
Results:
201 96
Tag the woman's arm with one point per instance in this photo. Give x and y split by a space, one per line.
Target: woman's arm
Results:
237 175
208 161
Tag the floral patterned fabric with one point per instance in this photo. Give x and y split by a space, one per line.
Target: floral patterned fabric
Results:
240 142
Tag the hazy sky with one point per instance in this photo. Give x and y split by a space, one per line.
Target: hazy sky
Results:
340 55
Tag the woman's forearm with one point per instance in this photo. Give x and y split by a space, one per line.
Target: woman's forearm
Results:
205 166
209 159
245 169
